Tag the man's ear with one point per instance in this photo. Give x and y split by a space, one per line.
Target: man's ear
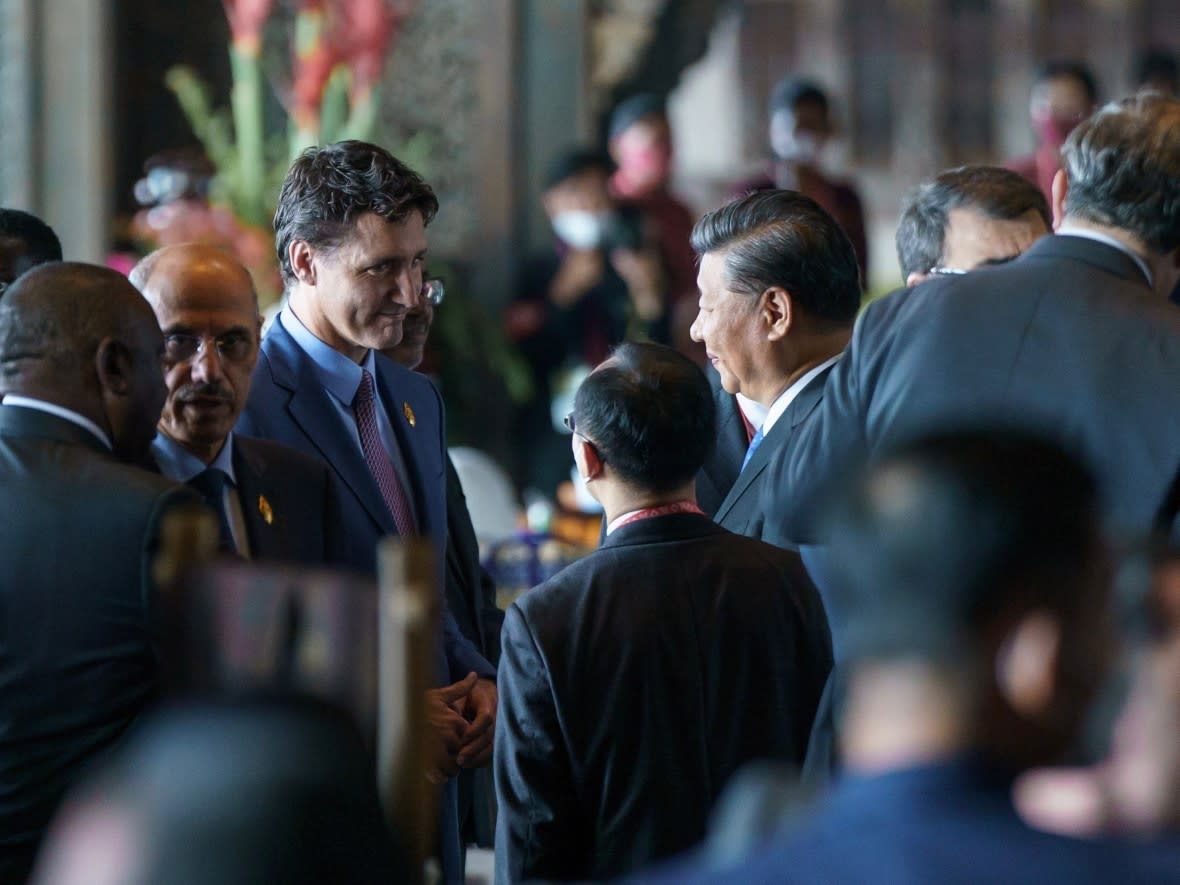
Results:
1060 189
588 459
777 312
914 278
114 366
301 256
1026 665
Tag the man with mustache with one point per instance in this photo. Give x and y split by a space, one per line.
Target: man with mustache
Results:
271 501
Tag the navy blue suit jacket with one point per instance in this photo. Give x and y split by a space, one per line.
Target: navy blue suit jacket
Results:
289 405
948 824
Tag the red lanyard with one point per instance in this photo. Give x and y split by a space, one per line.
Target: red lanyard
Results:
663 510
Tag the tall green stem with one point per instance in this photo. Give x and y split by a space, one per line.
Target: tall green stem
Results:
247 104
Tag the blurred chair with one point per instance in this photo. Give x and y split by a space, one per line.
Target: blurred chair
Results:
239 630
495 510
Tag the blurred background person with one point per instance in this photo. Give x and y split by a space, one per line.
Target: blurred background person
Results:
25 242
600 283
979 585
1064 93
640 141
800 128
1158 69
231 795
968 217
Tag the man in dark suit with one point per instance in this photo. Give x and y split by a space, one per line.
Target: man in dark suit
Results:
350 233
272 502
25 242
1075 337
637 680
80 371
779 291
980 586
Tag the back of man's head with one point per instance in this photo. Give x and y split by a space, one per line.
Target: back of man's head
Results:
1122 167
781 238
82 337
992 191
328 188
649 412
25 242
976 560
953 531
790 92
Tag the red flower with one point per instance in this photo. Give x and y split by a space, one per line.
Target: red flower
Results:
362 34
246 20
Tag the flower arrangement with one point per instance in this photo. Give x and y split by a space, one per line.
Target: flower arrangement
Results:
337 50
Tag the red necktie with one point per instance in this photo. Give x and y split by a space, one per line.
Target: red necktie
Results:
378 459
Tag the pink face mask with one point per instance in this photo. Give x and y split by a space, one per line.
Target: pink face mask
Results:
1053 131
647 164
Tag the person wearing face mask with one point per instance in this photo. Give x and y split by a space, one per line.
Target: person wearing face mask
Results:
1064 94
640 141
601 282
800 127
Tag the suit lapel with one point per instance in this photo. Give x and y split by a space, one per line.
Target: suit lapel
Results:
802 406
250 471
324 426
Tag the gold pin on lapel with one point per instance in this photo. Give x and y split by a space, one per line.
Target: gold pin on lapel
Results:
409 413
268 515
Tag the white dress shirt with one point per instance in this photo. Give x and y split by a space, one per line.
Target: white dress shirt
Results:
70 415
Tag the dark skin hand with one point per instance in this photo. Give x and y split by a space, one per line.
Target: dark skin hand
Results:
479 711
448 727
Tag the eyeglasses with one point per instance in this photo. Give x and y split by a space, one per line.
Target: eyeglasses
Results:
433 292
569 423
232 346
946 272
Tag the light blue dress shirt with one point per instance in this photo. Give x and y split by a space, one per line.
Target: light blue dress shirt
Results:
180 465
341 378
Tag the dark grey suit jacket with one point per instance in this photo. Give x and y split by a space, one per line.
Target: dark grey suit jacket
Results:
635 682
1068 340
752 506
77 634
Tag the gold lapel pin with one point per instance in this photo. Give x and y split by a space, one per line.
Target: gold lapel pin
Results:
409 413
268 515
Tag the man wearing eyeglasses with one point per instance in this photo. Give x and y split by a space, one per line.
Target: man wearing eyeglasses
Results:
969 217
350 232
271 501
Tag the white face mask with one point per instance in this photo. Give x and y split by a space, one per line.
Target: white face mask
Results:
579 229
792 145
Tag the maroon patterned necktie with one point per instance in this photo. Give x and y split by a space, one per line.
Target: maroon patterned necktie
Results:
377 458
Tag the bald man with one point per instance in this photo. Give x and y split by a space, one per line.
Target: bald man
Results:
272 502
80 370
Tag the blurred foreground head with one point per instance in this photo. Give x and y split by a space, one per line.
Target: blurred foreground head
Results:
25 242
229 797
979 581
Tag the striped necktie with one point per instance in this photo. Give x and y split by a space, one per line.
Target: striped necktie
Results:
377 458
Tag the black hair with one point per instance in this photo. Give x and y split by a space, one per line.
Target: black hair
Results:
996 192
1158 65
1076 70
791 92
630 111
955 529
649 412
328 188
1123 169
40 243
782 238
573 162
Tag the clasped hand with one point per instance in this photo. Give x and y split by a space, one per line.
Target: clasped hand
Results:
462 719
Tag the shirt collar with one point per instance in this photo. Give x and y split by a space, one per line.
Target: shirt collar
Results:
1085 233
779 406
28 402
339 375
179 464
754 411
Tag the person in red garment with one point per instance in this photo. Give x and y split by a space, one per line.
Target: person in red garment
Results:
1063 94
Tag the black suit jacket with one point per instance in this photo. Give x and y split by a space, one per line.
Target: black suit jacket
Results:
635 682
1067 340
298 493
77 632
752 505
716 477
471 592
